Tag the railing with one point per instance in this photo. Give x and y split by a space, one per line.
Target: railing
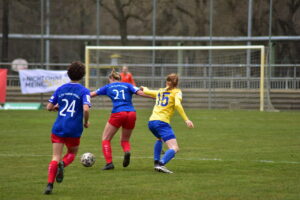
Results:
199 82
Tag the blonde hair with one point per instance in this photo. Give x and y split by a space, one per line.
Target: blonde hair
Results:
173 78
114 75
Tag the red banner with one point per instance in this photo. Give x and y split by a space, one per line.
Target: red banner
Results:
3 79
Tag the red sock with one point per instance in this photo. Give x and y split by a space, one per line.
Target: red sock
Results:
107 152
52 169
68 159
125 145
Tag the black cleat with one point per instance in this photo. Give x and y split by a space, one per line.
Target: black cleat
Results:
60 172
126 160
156 162
49 188
108 166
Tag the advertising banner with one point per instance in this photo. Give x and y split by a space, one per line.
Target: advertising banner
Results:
3 79
41 81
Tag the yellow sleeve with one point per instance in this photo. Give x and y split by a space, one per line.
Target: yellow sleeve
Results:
152 93
178 106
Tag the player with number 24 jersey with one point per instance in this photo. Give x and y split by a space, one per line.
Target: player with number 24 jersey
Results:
70 98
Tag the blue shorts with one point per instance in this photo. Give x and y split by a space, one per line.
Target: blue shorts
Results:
162 130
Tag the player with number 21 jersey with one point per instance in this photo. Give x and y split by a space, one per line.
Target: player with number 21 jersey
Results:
123 115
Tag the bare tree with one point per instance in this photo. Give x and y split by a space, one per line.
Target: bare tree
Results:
122 11
5 30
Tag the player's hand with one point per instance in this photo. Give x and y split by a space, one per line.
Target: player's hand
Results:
142 88
86 125
189 124
55 108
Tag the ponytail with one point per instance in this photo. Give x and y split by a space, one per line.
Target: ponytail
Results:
114 75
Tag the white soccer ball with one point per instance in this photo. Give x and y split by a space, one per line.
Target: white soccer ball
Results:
87 159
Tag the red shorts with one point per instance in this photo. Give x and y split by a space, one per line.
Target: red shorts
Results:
68 141
125 119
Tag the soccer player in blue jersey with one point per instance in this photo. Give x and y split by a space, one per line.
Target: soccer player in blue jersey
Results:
123 114
167 100
72 101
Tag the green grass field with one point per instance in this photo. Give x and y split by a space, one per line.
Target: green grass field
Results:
236 155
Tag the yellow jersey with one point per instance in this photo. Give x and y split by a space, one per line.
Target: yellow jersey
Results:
166 102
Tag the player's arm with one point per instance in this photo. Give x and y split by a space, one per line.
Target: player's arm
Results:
50 107
179 108
151 93
86 115
93 94
86 107
142 94
100 91
52 103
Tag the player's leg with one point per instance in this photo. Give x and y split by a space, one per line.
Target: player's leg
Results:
128 124
170 153
124 140
73 146
108 134
57 149
157 151
167 134
154 128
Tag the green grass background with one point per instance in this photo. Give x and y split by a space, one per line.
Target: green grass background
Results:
232 155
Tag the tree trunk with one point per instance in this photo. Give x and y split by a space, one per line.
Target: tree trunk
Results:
5 29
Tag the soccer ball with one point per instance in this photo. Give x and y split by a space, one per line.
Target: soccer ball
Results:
87 159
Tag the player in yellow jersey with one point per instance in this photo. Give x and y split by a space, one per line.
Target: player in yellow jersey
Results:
167 100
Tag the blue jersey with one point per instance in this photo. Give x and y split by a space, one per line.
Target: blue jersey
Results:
120 95
70 97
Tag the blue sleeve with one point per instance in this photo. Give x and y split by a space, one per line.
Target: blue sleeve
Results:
133 89
53 98
86 98
102 91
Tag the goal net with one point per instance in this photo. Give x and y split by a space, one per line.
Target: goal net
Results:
225 77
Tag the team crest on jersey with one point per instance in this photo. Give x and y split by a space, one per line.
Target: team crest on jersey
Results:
88 98
179 94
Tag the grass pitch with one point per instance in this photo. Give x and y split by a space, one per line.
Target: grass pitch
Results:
236 155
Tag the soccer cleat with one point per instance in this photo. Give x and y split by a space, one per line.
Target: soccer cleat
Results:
163 169
49 188
108 166
126 160
60 172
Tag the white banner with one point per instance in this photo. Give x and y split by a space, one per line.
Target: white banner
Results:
41 81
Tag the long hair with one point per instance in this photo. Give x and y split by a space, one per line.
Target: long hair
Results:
114 75
173 78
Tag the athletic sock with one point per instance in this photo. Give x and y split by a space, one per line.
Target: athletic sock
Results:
107 152
157 150
126 146
52 170
68 159
170 153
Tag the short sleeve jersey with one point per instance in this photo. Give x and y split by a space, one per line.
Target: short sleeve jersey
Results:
70 97
165 104
120 95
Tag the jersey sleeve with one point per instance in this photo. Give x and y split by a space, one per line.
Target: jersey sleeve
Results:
178 106
86 98
102 91
53 98
133 88
152 93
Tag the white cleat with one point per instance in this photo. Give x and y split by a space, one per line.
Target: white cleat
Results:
162 169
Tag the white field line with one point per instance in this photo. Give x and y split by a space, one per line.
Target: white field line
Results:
177 158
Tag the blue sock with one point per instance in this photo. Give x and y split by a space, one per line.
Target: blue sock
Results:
157 149
168 156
